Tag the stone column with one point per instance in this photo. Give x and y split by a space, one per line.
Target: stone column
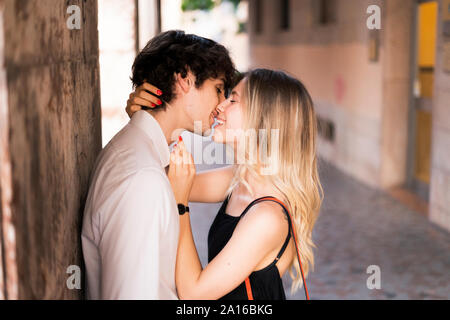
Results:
398 56
53 137
440 153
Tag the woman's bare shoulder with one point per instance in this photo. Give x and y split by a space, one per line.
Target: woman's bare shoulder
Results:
266 217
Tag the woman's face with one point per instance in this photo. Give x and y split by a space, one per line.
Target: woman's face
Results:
230 117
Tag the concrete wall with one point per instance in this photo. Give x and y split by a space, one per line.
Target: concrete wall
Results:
54 136
440 154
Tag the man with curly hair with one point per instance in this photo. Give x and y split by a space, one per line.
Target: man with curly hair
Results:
131 220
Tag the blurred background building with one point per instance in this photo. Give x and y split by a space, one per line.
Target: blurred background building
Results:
382 98
374 90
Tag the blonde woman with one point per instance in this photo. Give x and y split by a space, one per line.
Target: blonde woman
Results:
269 205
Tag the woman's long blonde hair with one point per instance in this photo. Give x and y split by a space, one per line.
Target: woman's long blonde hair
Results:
274 100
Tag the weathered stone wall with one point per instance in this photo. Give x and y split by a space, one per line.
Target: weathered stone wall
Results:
7 234
54 136
2 102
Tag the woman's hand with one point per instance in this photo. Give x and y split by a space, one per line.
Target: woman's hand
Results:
141 99
181 172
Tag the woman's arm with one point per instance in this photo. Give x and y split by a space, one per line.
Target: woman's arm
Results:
258 233
211 185
141 98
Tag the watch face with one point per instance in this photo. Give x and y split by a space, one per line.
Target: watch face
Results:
181 209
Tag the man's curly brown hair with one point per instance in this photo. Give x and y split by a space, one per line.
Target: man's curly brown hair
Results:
175 52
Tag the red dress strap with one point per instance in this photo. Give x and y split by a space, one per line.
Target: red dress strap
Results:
248 287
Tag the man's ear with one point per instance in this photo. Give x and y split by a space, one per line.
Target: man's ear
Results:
184 83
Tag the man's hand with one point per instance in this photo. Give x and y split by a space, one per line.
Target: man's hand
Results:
141 99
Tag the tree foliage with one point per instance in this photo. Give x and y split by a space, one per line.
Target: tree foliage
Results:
207 5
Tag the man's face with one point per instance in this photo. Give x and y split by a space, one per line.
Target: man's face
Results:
204 101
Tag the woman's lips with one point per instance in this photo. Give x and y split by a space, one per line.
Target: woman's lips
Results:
214 117
220 121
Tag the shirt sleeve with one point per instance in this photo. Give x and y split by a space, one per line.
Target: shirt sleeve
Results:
131 238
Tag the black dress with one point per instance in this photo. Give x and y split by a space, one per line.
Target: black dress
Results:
266 283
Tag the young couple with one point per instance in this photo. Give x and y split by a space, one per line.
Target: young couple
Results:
137 239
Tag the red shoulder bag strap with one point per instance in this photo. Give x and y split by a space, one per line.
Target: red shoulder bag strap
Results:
248 286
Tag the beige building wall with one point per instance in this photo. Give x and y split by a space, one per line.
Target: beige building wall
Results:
333 62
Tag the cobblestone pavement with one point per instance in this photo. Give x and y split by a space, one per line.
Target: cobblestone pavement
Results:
360 226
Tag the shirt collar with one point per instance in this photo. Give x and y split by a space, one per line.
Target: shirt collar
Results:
147 123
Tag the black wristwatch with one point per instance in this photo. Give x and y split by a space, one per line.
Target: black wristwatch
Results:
182 209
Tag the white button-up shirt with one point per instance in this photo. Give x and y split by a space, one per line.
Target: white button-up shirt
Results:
131 222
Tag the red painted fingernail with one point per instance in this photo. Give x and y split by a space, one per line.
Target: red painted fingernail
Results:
159 102
153 105
159 92
180 138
